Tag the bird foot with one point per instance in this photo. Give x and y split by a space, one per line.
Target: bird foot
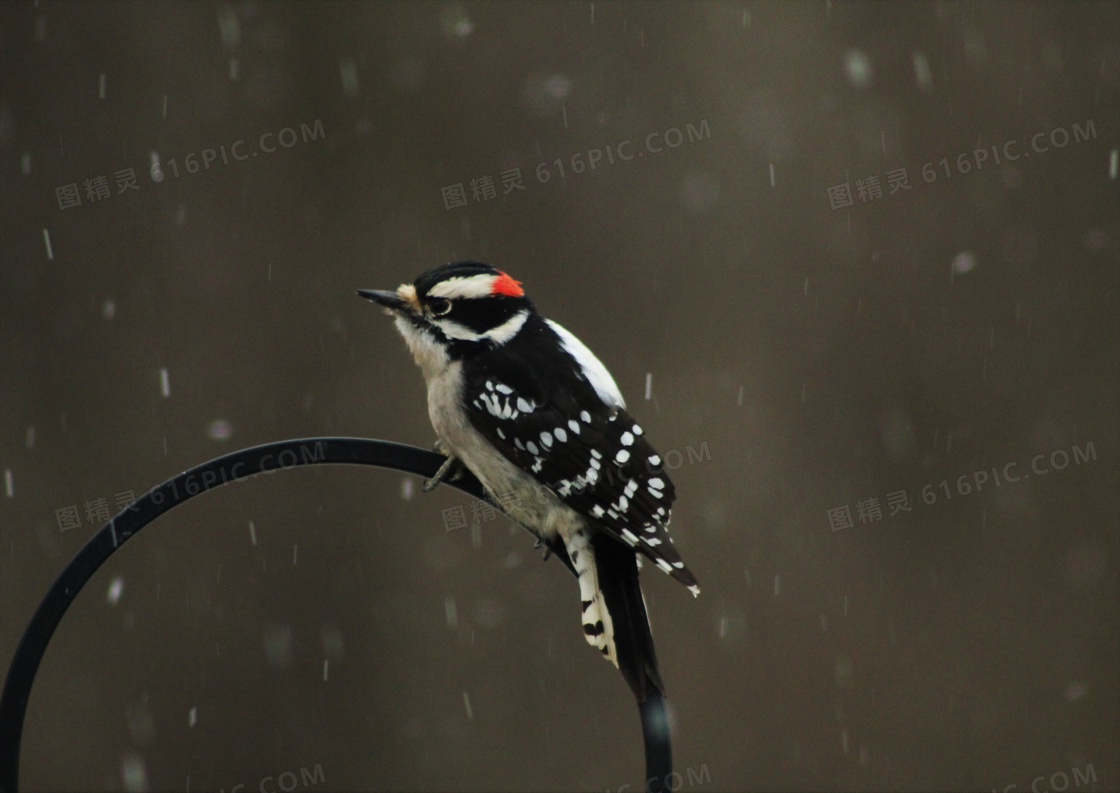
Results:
547 551
451 470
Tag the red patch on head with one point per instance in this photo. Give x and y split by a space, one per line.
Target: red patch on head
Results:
504 285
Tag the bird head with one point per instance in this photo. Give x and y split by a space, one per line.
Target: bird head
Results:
459 306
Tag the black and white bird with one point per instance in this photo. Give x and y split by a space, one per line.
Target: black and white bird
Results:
529 410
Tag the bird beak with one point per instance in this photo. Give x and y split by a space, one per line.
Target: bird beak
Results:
391 300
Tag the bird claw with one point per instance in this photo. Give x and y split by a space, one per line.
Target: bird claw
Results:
451 470
540 544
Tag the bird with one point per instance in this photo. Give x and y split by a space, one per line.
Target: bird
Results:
524 405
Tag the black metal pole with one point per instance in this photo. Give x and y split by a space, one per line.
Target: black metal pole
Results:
235 467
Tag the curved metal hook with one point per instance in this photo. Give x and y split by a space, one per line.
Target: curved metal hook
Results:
236 467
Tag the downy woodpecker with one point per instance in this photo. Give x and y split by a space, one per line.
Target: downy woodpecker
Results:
529 410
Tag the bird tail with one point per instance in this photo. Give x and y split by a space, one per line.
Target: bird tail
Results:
614 611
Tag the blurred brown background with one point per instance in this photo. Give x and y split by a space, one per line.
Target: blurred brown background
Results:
813 358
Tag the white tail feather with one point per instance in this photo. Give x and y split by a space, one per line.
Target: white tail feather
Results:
598 628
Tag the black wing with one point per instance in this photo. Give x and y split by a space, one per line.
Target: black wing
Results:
595 459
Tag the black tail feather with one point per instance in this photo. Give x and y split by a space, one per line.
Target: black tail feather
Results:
618 580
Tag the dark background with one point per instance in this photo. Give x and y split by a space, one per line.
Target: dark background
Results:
811 358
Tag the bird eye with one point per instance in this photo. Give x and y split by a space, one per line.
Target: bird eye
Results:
439 306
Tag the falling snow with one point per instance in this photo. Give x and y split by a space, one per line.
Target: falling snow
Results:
964 262
219 430
926 383
858 68
116 589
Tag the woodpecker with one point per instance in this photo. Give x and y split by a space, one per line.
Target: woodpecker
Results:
526 407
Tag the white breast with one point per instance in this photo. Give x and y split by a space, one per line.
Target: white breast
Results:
531 503
527 500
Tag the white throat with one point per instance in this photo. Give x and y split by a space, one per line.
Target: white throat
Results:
429 354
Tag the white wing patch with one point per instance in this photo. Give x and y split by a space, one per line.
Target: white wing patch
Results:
592 367
597 464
